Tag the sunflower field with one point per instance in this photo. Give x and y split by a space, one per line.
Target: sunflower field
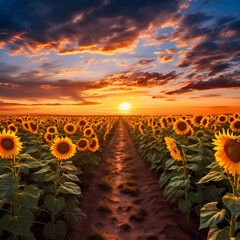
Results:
198 158
45 161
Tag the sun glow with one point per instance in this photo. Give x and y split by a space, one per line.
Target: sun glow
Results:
124 106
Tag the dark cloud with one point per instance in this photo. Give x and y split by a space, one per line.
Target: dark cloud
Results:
74 26
49 66
137 79
227 81
8 69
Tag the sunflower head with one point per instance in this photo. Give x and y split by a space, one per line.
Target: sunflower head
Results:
12 128
227 152
70 128
231 119
88 132
52 129
10 144
222 119
197 119
235 125
63 148
82 144
205 122
181 126
93 145
190 132
25 125
173 149
33 128
48 137
213 127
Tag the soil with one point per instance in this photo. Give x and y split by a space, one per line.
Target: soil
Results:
124 201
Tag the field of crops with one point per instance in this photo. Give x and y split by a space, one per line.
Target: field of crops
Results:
47 160
199 161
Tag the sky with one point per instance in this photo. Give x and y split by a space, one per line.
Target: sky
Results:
88 57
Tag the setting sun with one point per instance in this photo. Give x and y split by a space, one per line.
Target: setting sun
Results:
124 106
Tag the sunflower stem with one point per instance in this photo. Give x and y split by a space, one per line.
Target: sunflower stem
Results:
233 217
186 188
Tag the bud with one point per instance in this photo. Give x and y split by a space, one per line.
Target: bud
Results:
199 134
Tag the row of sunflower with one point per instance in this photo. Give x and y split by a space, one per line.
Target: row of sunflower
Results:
198 158
45 161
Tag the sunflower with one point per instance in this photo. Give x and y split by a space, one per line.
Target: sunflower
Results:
33 127
70 128
227 152
190 132
52 129
213 127
173 149
25 125
231 119
88 132
82 144
63 148
222 119
93 145
98 127
12 128
9 144
205 122
48 137
236 115
197 119
181 126
235 125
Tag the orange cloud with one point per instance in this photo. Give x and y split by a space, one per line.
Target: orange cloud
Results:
72 71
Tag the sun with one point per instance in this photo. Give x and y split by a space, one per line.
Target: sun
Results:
124 106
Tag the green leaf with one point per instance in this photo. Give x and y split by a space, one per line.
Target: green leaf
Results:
211 215
54 205
196 197
70 188
43 170
212 176
55 231
25 156
27 198
232 203
19 224
6 186
184 205
72 177
223 235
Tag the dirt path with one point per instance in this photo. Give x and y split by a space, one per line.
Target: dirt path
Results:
125 202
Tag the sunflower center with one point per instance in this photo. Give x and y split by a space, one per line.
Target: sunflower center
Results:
204 122
7 144
82 122
88 132
70 128
198 119
26 125
63 147
33 126
82 143
222 118
12 128
51 130
237 125
232 150
182 126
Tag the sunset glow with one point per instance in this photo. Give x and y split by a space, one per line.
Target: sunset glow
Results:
125 106
88 58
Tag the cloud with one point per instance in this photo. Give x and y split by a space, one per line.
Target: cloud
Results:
7 69
14 104
134 79
72 71
98 26
227 81
164 59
